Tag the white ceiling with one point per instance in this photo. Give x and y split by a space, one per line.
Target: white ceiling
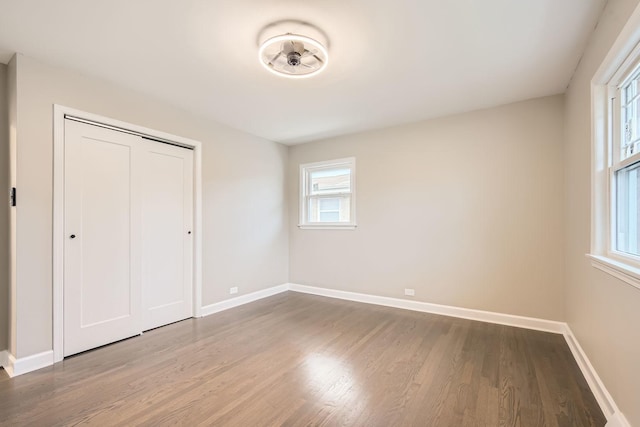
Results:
391 61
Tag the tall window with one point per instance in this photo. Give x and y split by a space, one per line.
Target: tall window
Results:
615 95
327 194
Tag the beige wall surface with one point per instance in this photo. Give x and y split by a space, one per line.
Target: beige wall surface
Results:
467 210
244 200
603 312
4 209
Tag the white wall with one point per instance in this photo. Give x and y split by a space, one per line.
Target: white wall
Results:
467 210
245 235
603 312
4 209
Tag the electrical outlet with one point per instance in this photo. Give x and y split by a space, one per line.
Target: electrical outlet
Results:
410 292
233 290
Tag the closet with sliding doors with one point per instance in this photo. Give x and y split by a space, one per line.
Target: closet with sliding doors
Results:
128 250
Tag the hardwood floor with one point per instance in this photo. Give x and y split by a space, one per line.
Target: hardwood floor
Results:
302 360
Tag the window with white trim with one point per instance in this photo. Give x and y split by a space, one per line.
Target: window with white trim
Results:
327 194
624 164
615 227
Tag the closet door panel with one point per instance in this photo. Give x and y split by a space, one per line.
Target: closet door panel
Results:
102 274
166 234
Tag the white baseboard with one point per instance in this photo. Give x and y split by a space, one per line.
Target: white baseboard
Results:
614 417
604 399
598 389
243 299
445 310
15 367
606 402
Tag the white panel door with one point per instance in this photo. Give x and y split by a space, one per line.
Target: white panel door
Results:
102 283
167 236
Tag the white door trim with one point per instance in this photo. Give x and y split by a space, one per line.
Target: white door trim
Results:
59 113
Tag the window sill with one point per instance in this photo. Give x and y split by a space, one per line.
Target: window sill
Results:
617 269
327 227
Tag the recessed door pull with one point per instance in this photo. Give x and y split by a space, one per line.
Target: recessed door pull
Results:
73 236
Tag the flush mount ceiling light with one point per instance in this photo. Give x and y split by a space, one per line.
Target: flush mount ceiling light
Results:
293 49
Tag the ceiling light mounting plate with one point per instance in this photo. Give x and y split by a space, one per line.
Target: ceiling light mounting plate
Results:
293 49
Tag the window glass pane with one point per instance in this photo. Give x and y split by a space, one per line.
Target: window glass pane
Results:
333 209
627 203
631 89
630 134
330 204
327 181
329 216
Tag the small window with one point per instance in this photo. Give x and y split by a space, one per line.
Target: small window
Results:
327 194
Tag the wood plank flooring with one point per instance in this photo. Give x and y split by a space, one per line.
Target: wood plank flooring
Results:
302 360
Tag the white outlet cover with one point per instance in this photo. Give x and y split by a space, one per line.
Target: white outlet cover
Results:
233 290
410 292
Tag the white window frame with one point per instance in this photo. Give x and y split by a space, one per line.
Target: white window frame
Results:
617 66
305 172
